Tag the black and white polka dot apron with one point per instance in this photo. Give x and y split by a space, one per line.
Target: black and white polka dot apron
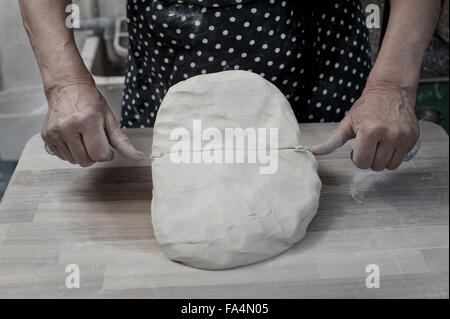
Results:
317 54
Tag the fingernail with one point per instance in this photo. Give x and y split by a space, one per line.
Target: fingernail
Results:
139 156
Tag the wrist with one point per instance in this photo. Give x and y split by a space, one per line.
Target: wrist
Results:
399 71
69 70
404 81
389 88
53 89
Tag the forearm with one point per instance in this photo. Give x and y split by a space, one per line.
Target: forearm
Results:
410 28
53 44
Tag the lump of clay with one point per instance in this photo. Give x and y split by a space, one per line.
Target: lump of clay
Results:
218 202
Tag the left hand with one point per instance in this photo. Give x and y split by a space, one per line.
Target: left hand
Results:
384 124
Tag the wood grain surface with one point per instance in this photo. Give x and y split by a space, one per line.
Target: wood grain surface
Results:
54 214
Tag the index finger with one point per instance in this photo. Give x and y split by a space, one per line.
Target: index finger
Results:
336 139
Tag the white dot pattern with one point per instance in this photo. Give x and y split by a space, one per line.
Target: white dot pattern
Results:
317 55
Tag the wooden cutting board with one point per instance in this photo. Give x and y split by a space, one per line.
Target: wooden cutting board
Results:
54 214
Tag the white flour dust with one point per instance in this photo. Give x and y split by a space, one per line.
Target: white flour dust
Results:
363 182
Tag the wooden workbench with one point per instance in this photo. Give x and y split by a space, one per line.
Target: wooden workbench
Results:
54 214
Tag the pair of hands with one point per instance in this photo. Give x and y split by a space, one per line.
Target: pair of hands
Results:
80 128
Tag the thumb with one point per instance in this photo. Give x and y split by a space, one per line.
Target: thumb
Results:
336 139
120 141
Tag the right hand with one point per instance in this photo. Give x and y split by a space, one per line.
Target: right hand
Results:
80 127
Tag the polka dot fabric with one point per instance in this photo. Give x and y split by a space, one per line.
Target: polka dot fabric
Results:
316 54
